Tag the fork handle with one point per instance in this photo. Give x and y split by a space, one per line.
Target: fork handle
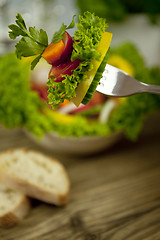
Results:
147 88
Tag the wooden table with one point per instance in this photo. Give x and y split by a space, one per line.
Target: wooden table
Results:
115 195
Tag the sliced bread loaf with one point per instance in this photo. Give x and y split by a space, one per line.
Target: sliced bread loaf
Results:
14 206
35 175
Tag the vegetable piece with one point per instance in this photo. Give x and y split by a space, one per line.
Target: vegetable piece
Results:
53 52
32 43
21 107
57 73
84 48
57 53
97 100
60 34
68 43
108 107
129 116
86 40
86 82
41 89
95 82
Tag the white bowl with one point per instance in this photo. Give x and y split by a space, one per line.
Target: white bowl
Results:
79 146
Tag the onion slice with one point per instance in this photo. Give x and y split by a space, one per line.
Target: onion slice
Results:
106 110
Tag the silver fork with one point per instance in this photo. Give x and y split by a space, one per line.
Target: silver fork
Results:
117 83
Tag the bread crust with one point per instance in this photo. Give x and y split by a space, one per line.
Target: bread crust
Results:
15 215
32 190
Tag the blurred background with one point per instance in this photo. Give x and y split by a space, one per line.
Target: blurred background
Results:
137 21
135 48
115 188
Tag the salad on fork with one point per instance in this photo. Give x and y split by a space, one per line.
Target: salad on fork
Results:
77 62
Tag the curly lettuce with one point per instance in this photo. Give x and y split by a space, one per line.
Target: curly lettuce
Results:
86 40
22 107
130 115
19 106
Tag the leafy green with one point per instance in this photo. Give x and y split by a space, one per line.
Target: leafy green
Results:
59 34
21 107
117 10
58 91
86 39
130 115
90 112
88 36
95 82
109 9
26 48
35 61
32 43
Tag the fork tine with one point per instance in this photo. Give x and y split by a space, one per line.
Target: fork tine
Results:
117 83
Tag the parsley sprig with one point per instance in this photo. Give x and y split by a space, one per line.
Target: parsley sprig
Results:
59 34
32 43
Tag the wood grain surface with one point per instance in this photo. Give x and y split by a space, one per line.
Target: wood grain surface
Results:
115 195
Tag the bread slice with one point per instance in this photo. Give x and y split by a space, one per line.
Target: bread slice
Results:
35 175
14 206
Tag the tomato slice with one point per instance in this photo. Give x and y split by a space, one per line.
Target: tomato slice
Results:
96 100
57 53
41 89
56 73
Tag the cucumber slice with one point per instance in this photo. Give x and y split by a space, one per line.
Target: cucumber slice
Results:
84 85
96 80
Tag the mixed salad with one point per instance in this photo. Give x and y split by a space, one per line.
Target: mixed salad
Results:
23 101
76 67
77 63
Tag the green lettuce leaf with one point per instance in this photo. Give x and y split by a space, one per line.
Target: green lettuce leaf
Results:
86 40
19 106
33 41
58 91
88 36
129 117
22 107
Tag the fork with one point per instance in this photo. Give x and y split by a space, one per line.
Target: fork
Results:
117 83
